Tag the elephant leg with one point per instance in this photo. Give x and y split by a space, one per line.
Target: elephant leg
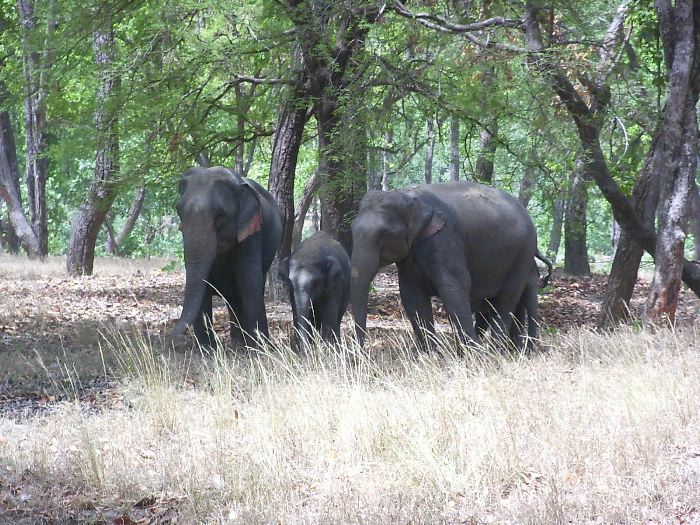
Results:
416 303
529 304
250 288
236 321
505 305
517 326
482 318
203 322
454 293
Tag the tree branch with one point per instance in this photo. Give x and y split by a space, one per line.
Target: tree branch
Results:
440 23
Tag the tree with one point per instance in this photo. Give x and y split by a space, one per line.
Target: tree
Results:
285 152
9 182
454 147
677 157
36 70
555 232
429 152
116 240
575 245
103 189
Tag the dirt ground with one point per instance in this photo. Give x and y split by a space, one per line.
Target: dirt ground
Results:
45 315
42 310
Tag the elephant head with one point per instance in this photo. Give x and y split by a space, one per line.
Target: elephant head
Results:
308 281
218 210
386 227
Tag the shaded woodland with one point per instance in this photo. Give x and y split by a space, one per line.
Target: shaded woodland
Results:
587 111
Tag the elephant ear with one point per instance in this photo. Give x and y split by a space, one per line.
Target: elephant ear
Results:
437 221
425 220
334 272
249 218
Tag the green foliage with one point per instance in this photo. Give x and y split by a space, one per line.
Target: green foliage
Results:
185 91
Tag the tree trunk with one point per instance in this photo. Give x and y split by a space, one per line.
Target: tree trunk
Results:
330 34
9 184
374 179
555 232
315 216
673 217
429 152
628 252
487 153
285 152
677 162
243 103
103 189
240 130
111 244
575 224
454 148
341 187
9 242
527 185
36 69
114 242
251 156
9 173
614 237
386 159
307 198
695 221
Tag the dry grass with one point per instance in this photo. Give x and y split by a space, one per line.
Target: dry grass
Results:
597 429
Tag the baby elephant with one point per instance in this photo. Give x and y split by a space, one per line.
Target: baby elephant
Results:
317 276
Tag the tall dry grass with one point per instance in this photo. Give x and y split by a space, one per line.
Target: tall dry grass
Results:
597 428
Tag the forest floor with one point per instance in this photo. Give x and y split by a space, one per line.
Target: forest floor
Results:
99 423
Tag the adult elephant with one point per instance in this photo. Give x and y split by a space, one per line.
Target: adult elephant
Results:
464 242
231 229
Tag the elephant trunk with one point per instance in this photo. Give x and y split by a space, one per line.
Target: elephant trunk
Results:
364 268
200 252
304 313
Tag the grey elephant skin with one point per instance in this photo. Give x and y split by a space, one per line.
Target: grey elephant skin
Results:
317 276
231 229
526 312
464 242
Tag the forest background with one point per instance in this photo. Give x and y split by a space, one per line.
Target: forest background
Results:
575 107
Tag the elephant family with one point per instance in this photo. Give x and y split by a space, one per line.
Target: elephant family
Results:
231 229
464 242
317 276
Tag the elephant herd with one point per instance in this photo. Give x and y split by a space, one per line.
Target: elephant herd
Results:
471 245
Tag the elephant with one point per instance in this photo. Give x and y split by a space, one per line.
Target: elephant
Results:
231 229
464 242
317 276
